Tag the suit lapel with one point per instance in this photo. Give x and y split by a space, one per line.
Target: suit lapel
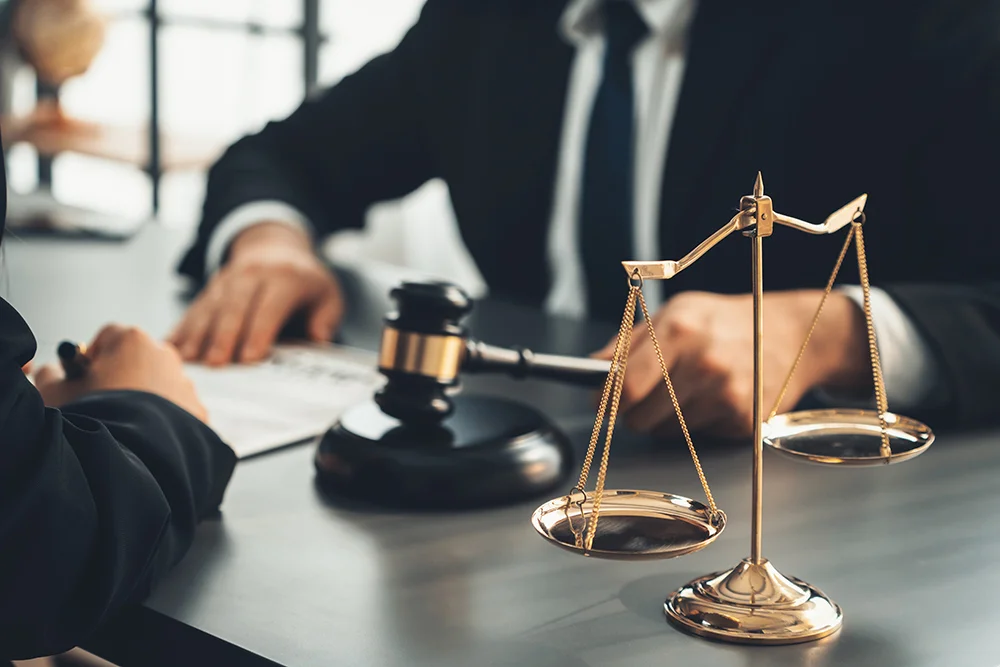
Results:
517 106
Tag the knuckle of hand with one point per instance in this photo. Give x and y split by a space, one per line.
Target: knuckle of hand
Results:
218 352
713 364
257 337
239 273
133 334
112 328
225 329
286 270
682 326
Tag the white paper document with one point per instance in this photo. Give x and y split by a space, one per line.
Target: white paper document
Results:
293 396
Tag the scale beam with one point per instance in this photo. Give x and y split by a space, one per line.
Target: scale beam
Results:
754 215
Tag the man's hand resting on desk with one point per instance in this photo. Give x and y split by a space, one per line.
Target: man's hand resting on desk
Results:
272 274
124 358
707 343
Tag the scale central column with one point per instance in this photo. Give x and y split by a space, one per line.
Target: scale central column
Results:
757 482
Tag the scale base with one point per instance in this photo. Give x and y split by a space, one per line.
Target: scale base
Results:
753 604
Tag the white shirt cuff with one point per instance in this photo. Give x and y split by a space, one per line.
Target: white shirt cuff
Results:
908 366
243 217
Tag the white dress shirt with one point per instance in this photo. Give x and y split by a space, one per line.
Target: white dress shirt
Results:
658 70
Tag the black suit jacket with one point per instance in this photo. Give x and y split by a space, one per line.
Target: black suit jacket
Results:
97 500
828 98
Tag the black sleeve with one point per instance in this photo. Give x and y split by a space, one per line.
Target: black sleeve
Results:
961 325
358 143
956 307
97 501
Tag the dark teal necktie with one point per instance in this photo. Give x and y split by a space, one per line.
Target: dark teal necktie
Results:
606 201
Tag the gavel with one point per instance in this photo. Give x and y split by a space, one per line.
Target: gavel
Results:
422 444
425 348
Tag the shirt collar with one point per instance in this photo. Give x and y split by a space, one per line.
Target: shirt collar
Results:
581 18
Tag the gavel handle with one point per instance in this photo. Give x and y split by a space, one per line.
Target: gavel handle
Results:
522 363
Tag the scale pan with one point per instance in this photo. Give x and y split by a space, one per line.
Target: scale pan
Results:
633 525
846 437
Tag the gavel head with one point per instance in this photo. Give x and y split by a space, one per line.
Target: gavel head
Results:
423 346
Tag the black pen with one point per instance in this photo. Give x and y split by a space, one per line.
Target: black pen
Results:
74 359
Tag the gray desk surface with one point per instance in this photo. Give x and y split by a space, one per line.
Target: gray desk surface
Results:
909 551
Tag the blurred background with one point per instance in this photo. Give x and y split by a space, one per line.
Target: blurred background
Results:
202 74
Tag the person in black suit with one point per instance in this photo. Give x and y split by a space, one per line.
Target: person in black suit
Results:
575 134
102 481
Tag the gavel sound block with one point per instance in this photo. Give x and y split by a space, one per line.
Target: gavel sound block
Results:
421 444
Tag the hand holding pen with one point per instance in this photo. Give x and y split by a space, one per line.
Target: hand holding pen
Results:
118 359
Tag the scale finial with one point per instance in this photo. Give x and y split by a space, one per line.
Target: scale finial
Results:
758 186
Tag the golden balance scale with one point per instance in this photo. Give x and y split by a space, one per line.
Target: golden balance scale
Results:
753 602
